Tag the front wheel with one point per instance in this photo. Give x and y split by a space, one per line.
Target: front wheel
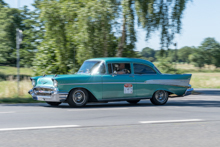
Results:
160 97
78 98
54 103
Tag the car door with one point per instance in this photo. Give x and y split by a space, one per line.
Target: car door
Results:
143 73
117 85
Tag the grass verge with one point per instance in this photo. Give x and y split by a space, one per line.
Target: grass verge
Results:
205 80
9 94
18 100
8 89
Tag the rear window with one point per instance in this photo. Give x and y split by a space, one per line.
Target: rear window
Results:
143 69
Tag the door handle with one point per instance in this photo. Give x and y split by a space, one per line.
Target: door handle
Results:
114 75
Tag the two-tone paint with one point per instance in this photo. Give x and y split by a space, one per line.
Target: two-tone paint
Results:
107 87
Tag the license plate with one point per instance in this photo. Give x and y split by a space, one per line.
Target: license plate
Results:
40 98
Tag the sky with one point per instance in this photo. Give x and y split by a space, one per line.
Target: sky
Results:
200 20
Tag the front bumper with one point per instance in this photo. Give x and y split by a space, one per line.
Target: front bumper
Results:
51 95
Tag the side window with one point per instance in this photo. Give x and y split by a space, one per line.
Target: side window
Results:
121 68
102 69
110 68
143 69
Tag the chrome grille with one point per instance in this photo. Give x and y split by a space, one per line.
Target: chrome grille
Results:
41 91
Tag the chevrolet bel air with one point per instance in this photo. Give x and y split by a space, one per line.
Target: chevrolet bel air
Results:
110 79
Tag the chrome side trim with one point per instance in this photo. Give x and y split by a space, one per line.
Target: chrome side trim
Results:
81 83
121 82
101 83
179 83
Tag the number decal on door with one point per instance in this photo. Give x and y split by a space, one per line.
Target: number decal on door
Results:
128 88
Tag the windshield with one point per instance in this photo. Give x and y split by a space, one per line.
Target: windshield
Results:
90 67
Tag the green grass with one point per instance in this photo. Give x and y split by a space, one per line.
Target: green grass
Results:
8 92
8 89
186 68
7 70
8 85
205 80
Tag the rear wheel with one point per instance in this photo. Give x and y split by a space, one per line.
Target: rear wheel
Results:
54 103
78 98
160 97
133 101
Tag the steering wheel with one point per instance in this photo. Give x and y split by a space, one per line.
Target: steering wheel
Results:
126 71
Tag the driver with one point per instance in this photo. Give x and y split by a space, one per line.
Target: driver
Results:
122 69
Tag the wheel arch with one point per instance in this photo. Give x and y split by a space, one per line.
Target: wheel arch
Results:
91 97
168 91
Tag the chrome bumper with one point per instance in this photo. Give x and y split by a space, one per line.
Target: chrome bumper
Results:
49 96
188 91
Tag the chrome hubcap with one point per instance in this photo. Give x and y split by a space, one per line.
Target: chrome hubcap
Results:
161 96
79 96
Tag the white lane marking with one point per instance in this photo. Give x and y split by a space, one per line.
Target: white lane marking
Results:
36 128
97 109
7 112
170 121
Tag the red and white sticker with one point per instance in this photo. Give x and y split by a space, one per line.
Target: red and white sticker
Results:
128 88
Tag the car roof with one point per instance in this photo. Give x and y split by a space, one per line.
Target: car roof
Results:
122 59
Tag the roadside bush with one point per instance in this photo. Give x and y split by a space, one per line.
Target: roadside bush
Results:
166 66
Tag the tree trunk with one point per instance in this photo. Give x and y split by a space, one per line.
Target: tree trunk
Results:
122 42
105 42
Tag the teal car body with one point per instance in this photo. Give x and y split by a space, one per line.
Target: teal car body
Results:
101 79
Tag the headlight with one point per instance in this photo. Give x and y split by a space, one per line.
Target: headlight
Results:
33 82
55 83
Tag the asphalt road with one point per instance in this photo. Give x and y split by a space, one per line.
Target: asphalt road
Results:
185 121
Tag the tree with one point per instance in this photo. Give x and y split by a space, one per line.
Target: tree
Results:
162 15
95 29
33 33
56 51
82 29
148 54
184 52
212 51
9 21
197 58
75 31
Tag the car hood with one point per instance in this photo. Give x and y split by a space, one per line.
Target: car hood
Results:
47 80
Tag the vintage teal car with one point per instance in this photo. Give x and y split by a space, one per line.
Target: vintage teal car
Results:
110 79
